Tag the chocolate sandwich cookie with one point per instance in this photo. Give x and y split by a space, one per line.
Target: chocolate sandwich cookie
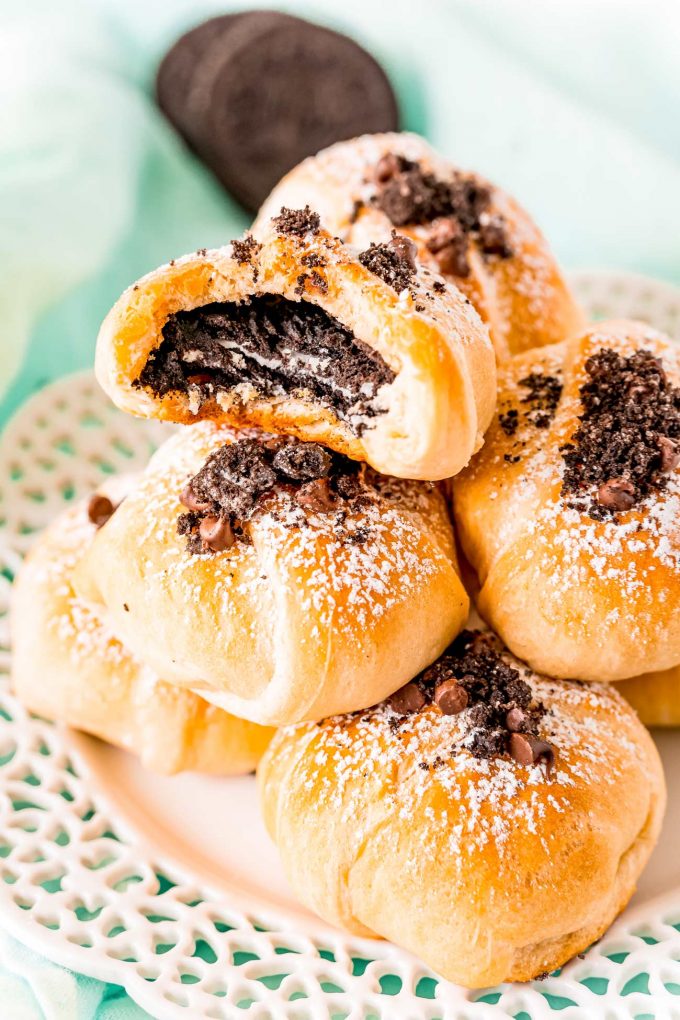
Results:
176 70
266 91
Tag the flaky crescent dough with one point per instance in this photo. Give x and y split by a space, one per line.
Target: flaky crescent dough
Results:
574 597
431 418
655 696
299 623
489 870
67 665
524 299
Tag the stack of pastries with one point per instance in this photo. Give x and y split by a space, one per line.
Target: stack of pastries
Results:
391 405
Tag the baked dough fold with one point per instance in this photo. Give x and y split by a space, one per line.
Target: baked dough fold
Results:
509 274
310 614
576 597
488 869
67 665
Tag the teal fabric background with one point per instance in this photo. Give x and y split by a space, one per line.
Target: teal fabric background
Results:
573 107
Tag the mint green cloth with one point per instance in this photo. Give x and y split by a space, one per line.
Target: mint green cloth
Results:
32 988
573 107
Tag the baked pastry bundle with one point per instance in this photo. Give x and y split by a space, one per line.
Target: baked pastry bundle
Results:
68 665
288 559
489 819
275 578
569 515
367 352
655 696
465 228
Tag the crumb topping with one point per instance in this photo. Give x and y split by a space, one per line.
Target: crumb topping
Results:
628 440
297 222
473 677
238 478
410 759
245 249
394 261
345 585
456 211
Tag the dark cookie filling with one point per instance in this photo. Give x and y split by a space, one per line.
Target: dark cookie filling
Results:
628 441
394 262
297 222
280 347
472 676
235 480
542 399
457 209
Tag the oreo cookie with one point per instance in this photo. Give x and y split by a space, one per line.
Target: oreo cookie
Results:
255 93
176 71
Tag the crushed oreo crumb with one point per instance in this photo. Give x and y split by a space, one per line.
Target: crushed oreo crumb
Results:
509 421
457 209
237 478
314 280
245 249
628 440
297 222
439 286
313 260
394 261
541 402
472 676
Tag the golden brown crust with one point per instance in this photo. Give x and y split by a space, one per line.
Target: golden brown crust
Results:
574 597
67 665
489 870
655 696
297 624
524 299
433 415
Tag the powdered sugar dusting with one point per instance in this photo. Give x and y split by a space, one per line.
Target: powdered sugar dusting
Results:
421 764
524 473
346 583
78 626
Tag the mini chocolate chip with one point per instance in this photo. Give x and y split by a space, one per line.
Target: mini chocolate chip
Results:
100 509
448 242
443 233
316 496
189 499
406 249
450 697
528 750
216 533
616 494
493 236
407 699
386 167
670 453
515 720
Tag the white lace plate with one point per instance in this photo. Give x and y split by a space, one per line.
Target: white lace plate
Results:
170 887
